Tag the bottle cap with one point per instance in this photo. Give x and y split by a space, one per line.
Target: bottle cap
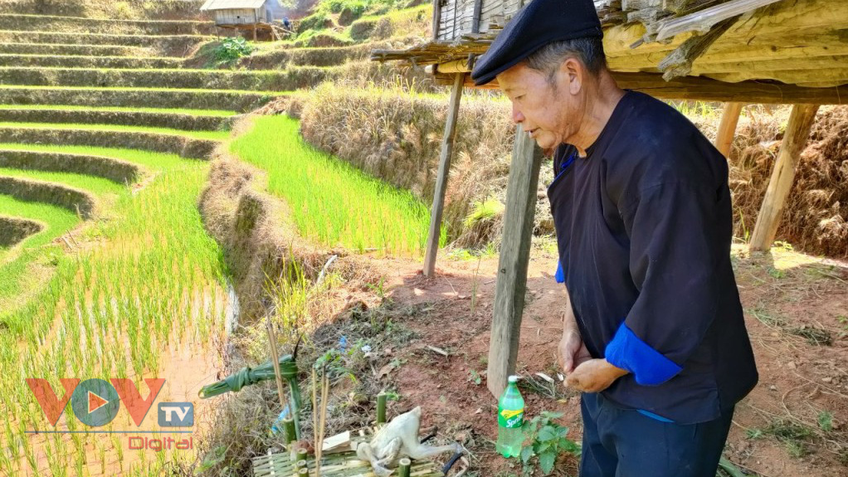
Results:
513 379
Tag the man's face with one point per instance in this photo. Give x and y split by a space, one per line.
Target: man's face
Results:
549 111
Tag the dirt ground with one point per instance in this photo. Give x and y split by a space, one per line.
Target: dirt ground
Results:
796 309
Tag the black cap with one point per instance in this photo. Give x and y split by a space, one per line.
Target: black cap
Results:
538 23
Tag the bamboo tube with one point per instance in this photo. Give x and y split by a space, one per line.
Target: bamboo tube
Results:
302 455
303 471
404 466
288 427
301 464
381 408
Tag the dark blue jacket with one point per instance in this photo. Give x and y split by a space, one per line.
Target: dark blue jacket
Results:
644 225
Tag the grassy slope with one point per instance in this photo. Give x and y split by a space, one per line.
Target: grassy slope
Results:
332 201
14 261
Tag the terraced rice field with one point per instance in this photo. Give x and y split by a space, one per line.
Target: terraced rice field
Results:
332 202
106 270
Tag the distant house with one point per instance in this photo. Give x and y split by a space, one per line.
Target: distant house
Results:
231 13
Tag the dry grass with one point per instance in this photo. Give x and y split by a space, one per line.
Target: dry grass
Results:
115 170
816 216
170 120
148 141
13 230
107 9
75 200
75 24
239 101
397 136
78 50
278 80
78 61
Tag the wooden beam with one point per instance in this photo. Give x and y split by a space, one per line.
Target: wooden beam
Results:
514 258
800 122
706 89
727 128
442 178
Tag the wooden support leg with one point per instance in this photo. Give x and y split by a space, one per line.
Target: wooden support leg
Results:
783 175
727 128
442 179
514 258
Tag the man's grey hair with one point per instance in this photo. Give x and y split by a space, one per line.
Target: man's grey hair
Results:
589 51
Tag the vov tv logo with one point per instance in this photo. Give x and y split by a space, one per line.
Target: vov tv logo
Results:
96 402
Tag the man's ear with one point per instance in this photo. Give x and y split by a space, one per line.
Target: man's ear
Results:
573 72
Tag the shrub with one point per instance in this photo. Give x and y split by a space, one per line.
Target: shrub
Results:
231 49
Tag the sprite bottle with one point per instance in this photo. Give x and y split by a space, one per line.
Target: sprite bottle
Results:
510 420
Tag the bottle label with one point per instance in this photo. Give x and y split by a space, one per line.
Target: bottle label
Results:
511 419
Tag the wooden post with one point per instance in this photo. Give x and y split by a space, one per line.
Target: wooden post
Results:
442 179
800 122
727 128
475 20
437 17
514 258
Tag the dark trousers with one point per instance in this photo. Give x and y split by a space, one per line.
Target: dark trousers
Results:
625 443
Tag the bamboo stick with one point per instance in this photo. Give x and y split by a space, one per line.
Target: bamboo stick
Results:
275 359
381 408
315 417
404 467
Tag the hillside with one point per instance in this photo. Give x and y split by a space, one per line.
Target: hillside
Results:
168 194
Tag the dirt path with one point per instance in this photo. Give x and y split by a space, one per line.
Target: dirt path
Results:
793 423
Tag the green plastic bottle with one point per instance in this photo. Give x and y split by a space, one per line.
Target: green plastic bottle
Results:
510 420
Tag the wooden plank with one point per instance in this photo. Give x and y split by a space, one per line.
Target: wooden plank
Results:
797 131
727 128
442 178
679 62
513 261
703 20
784 21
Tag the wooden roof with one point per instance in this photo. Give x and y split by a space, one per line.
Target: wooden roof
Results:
745 50
212 5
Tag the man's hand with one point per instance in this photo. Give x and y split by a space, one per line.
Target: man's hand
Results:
572 351
593 376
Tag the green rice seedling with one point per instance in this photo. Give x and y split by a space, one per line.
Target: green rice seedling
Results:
330 200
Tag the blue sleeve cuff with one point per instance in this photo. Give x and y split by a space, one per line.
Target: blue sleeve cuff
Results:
627 351
560 273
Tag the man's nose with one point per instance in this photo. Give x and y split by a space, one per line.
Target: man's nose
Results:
517 117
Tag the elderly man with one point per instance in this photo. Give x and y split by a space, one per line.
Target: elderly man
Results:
653 333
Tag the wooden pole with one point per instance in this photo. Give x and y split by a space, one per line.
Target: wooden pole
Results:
437 17
800 122
727 128
514 258
442 179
